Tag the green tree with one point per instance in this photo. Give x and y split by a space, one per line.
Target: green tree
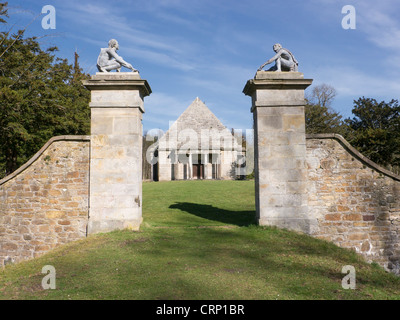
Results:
323 120
320 117
375 130
40 96
3 12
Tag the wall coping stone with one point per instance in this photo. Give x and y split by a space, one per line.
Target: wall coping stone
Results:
40 152
354 153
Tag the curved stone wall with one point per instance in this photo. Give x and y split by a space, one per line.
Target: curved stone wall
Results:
45 202
356 202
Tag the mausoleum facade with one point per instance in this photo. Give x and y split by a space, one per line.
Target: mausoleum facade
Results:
196 146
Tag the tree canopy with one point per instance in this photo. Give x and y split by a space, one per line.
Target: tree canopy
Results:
375 130
320 117
41 96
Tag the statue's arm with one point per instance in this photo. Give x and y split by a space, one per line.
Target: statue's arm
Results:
116 56
276 56
121 60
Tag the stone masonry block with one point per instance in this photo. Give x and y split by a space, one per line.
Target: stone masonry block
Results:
280 150
116 151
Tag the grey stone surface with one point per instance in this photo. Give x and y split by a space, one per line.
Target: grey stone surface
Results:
280 150
278 76
116 76
116 151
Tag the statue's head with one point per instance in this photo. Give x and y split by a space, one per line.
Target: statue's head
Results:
113 44
277 47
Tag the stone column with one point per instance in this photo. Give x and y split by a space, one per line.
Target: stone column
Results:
116 150
280 150
190 168
179 171
164 165
208 168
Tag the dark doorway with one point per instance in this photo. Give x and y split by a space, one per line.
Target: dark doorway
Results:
172 172
155 167
198 171
155 172
198 167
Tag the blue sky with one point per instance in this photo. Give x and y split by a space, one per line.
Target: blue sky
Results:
209 49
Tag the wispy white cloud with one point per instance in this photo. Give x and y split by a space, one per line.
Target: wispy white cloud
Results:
171 50
106 19
380 23
352 82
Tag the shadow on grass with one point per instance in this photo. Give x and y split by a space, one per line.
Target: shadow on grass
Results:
238 218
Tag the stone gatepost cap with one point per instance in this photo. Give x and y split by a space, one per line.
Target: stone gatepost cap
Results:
116 76
271 75
118 81
276 80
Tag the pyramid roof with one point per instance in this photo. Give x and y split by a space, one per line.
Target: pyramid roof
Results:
197 126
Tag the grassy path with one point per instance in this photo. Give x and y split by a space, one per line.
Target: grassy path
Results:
198 241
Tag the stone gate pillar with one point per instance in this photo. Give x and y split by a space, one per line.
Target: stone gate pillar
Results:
116 150
280 149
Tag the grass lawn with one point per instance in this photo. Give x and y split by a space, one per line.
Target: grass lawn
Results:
198 241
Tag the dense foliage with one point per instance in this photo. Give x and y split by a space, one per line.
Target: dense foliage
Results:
40 96
375 130
321 119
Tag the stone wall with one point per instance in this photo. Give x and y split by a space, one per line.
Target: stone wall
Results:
45 202
356 202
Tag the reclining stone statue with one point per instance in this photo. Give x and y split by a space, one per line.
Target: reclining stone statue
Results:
109 59
284 60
